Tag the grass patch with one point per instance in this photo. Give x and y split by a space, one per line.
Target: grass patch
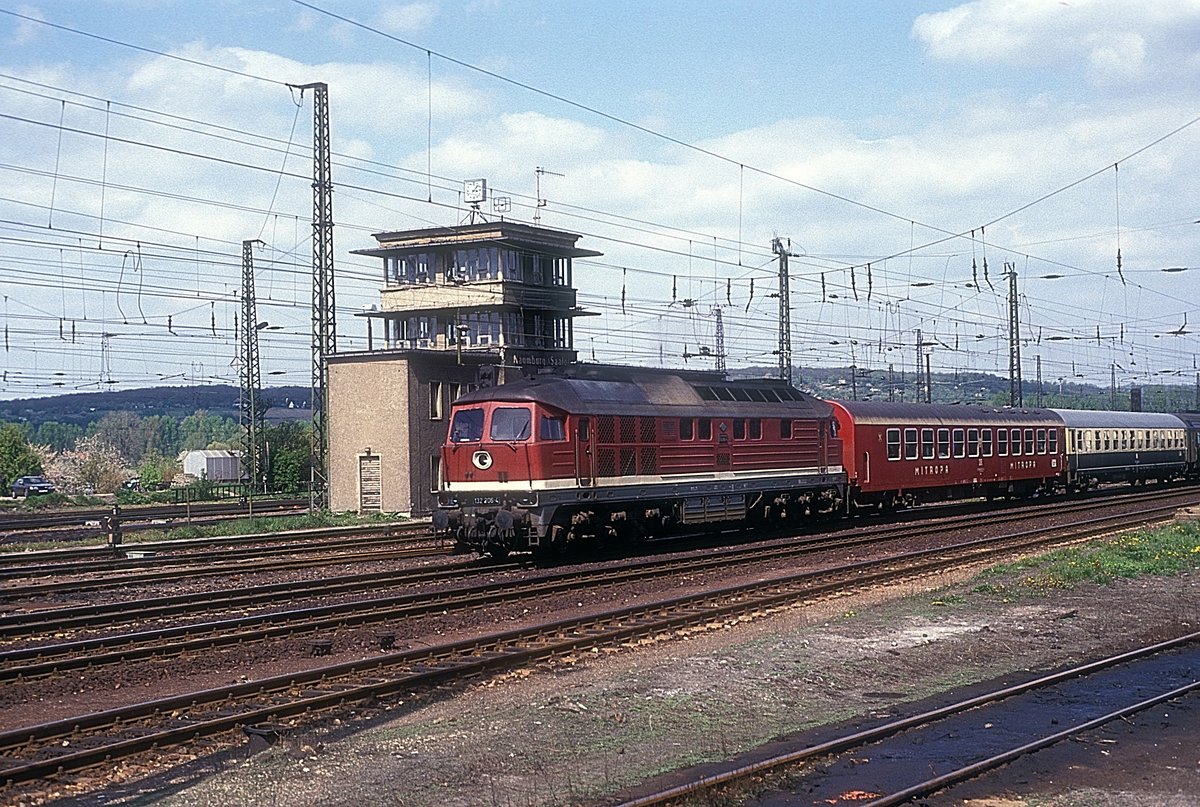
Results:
1163 551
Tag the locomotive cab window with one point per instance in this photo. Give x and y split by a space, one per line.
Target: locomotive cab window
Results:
552 428
510 424
467 426
927 445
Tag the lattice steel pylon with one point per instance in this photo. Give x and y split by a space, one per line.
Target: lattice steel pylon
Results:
1016 388
324 330
785 311
251 407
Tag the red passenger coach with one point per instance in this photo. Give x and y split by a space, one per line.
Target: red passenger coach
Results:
623 454
902 454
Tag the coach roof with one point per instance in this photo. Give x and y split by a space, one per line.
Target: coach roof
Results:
903 414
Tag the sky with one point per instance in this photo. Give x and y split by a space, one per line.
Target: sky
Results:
896 147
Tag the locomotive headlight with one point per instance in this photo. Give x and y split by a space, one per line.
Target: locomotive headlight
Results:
528 500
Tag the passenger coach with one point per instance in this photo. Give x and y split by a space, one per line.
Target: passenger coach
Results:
1123 446
899 454
624 454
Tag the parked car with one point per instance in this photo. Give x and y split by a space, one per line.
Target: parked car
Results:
31 486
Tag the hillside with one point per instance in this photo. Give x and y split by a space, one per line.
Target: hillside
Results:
82 408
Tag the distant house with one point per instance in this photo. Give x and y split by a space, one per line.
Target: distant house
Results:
215 465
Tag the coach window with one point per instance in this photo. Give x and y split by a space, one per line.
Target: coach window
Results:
704 428
739 428
910 444
755 428
973 442
1016 442
785 429
687 429
1053 435
927 445
552 428
893 444
943 444
960 442
1124 439
510 424
1002 442
1027 448
1041 441
987 442
1107 439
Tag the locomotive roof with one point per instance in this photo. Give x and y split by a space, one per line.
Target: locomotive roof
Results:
1092 419
890 413
646 393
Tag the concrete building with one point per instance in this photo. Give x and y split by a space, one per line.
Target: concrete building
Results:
460 307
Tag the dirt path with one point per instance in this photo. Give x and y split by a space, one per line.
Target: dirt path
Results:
584 729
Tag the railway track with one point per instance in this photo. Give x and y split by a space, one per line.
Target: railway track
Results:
48 659
1000 729
137 516
183 554
40 751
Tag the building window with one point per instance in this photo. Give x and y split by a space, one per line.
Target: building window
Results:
893 444
435 473
435 400
910 444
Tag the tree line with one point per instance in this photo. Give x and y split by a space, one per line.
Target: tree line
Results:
120 445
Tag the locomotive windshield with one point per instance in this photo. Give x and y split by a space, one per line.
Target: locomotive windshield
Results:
510 424
467 426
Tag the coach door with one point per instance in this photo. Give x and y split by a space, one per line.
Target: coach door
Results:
584 456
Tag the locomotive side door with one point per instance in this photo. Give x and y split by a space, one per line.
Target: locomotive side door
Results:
585 470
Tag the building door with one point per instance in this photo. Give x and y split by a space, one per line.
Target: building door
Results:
584 456
370 484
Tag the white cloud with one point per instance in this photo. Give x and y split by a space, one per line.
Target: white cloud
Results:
25 31
408 17
1113 40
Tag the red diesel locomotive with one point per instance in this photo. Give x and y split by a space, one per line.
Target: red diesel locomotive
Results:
625 453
